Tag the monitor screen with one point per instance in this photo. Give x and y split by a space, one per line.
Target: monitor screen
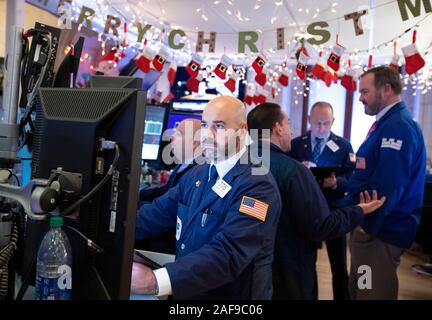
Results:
153 130
189 105
174 118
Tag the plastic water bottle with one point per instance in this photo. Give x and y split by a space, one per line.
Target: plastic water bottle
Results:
54 264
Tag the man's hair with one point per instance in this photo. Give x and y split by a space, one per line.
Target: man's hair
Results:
265 116
321 104
384 75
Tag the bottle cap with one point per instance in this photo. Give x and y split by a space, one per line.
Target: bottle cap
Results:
56 222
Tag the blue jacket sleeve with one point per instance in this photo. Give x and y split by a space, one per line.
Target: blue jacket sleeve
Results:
158 216
238 241
311 213
391 175
149 194
348 167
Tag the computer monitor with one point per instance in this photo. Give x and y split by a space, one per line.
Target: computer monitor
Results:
97 81
69 124
189 105
154 126
174 118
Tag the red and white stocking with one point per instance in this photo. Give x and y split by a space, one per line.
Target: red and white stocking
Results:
284 78
349 80
262 97
222 67
160 59
261 78
194 65
333 60
302 65
144 60
193 83
172 70
259 63
413 60
394 64
231 82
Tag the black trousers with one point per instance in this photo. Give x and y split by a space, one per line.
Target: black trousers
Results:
337 252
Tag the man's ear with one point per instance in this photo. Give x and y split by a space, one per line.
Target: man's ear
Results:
277 129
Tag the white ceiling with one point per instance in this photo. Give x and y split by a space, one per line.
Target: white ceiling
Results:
383 22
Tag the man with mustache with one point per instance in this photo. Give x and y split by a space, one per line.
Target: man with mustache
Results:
225 218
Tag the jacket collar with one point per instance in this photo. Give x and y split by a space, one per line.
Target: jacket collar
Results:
396 108
237 170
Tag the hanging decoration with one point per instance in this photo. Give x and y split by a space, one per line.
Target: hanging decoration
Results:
261 78
395 59
194 65
413 60
302 65
162 43
349 80
143 62
231 83
259 63
193 83
335 56
222 67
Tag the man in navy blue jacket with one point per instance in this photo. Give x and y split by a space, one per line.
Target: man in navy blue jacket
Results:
225 218
305 217
185 146
391 160
322 148
184 154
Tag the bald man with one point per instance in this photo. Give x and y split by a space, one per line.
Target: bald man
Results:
225 218
185 146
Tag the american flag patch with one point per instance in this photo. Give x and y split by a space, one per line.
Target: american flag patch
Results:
254 208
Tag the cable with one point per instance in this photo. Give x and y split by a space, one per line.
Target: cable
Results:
26 278
102 283
11 174
5 257
90 243
98 186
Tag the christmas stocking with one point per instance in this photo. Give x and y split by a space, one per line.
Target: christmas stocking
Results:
262 97
284 78
194 65
301 65
256 98
334 60
348 80
222 67
394 64
231 83
413 60
163 88
261 78
172 70
327 78
144 60
248 99
318 70
193 83
259 63
159 59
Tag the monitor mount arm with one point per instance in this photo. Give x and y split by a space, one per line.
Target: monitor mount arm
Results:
42 196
